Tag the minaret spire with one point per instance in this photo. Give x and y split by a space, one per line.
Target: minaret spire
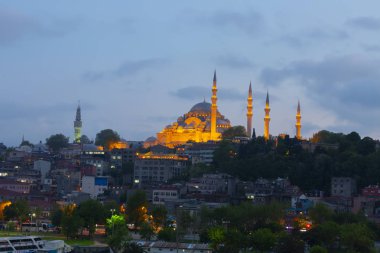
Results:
298 122
78 125
249 111
213 132
266 118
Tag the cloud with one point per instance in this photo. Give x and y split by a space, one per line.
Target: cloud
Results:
311 36
364 23
347 85
160 119
11 111
249 22
371 47
127 25
128 68
199 93
93 76
234 62
191 92
15 26
135 67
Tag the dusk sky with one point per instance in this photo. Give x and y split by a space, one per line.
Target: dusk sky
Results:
137 66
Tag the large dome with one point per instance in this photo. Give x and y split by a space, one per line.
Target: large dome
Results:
201 107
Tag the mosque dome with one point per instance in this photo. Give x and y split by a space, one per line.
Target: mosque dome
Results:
151 139
202 107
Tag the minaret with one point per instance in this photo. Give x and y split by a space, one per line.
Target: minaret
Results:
249 112
266 119
77 126
213 134
298 122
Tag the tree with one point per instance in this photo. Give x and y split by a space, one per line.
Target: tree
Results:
115 222
146 231
167 234
357 237
56 217
132 247
57 142
137 208
217 236
91 212
119 234
85 140
325 136
26 143
18 210
290 244
106 137
235 131
263 239
71 222
3 204
224 154
353 137
234 241
159 215
366 146
320 213
318 249
185 221
119 239
325 234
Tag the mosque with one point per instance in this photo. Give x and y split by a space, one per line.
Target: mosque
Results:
205 123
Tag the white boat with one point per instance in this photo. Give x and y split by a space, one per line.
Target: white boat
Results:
31 244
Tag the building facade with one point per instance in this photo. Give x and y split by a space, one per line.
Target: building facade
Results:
164 194
343 187
201 124
95 186
154 168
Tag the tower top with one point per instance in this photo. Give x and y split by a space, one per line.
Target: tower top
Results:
298 107
250 89
78 114
267 101
214 76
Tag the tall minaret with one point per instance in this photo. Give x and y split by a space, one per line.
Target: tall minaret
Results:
249 112
77 126
213 135
266 119
298 122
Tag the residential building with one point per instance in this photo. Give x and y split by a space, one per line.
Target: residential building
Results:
200 152
153 168
164 194
213 183
95 186
343 187
43 167
15 186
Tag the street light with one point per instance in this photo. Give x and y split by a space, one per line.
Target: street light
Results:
177 226
31 215
113 223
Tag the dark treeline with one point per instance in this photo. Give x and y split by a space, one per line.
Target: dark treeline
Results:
338 155
252 228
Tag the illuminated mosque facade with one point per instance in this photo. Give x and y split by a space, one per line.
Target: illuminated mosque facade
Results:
202 123
205 123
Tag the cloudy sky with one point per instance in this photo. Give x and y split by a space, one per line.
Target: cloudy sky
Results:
137 66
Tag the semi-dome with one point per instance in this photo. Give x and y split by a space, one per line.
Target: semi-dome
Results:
201 107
